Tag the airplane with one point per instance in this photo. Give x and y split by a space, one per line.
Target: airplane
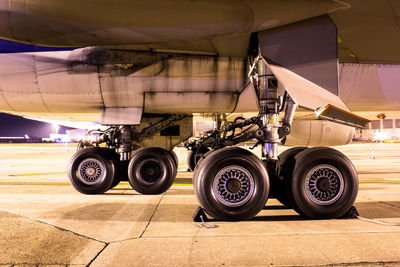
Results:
142 68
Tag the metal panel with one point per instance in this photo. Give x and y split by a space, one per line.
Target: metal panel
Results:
247 100
121 116
190 102
335 114
319 133
67 85
182 84
370 87
307 48
304 92
18 82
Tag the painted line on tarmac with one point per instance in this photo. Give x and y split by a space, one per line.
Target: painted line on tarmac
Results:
49 173
380 182
40 173
32 183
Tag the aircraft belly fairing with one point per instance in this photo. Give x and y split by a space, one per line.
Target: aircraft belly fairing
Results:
90 79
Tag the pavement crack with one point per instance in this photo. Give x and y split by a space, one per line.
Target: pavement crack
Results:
388 204
98 254
145 228
151 218
55 226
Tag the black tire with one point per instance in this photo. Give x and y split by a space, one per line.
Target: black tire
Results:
280 183
92 170
324 183
175 157
151 171
210 187
195 156
121 168
115 183
200 162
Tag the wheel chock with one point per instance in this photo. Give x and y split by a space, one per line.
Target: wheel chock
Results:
200 215
351 214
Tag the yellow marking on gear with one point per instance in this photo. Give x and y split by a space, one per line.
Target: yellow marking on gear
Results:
339 39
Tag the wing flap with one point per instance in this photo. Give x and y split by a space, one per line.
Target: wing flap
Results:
341 116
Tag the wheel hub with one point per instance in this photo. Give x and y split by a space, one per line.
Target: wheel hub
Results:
91 171
150 171
324 184
233 186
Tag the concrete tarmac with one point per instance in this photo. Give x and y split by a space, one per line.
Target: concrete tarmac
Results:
44 221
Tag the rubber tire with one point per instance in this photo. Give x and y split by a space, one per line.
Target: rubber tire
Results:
212 164
164 158
200 162
280 184
101 154
175 157
310 158
195 156
118 168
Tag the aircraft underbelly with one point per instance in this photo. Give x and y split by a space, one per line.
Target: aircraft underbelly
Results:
370 87
220 27
62 84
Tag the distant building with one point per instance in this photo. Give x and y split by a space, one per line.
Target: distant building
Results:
380 130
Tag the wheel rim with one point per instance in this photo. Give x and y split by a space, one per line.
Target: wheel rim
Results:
150 171
91 171
233 186
324 184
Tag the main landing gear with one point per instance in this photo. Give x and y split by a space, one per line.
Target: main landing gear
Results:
95 170
151 170
233 184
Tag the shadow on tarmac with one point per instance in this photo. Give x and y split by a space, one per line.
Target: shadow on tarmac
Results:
184 213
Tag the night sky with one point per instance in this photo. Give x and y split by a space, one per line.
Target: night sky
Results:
14 47
16 126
